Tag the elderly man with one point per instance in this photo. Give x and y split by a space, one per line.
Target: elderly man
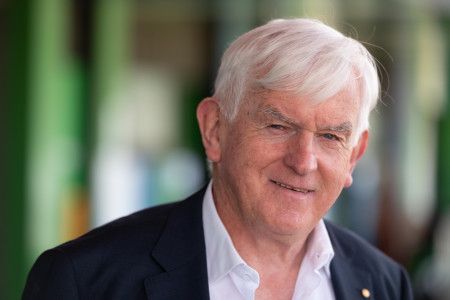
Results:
283 132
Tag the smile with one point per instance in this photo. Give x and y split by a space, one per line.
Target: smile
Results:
291 187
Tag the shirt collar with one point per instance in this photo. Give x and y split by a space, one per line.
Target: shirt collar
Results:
221 255
320 250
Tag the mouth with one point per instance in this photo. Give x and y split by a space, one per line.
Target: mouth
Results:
292 188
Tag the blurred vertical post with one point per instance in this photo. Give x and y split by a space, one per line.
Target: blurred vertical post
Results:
13 199
55 181
443 190
110 58
436 282
110 47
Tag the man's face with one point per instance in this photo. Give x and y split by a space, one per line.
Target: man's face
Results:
283 161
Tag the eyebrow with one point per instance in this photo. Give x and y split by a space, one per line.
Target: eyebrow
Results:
345 127
273 112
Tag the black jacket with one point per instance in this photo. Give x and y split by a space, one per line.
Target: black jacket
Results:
159 253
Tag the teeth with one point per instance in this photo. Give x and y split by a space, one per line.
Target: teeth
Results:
291 187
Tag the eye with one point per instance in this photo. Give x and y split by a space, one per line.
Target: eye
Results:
277 127
331 137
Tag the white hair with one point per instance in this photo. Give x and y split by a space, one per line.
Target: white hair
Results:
302 56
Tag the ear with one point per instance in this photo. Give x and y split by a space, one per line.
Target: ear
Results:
208 114
357 153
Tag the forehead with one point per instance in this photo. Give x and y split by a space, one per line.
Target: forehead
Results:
342 107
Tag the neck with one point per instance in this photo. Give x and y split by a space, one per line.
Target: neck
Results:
259 247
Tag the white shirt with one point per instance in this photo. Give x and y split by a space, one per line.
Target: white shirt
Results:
231 278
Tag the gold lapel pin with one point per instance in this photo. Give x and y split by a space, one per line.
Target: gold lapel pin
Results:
365 293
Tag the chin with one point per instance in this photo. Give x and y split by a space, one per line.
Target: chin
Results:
292 226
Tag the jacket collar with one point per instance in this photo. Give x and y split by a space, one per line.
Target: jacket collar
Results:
181 253
348 275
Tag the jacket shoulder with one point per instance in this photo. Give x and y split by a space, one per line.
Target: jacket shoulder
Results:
113 259
140 227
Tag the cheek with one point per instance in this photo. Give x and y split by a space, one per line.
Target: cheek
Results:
334 169
248 150
237 158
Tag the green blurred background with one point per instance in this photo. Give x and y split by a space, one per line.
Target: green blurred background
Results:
97 110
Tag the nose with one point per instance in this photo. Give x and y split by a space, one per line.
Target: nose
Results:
301 156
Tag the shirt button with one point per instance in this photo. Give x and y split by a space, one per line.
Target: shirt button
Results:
247 277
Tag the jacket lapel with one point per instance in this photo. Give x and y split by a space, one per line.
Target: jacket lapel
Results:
349 281
348 275
181 253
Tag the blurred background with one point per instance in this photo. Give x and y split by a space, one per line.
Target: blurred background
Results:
97 114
